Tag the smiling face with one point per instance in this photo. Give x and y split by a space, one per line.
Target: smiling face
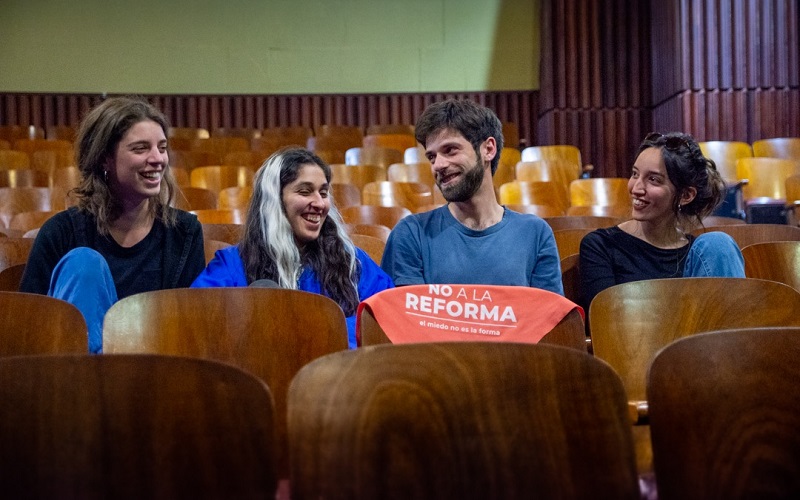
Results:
306 203
136 170
458 169
652 192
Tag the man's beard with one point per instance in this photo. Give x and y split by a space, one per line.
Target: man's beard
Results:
468 186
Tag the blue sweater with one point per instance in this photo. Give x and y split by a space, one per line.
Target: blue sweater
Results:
227 269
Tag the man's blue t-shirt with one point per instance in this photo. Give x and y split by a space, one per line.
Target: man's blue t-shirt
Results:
433 247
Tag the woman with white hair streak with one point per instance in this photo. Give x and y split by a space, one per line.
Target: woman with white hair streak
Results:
295 237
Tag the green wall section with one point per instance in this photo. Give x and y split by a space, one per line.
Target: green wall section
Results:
268 47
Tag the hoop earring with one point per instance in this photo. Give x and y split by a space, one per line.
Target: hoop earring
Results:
105 176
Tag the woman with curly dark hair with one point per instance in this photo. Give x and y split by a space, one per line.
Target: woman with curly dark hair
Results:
123 237
295 237
672 187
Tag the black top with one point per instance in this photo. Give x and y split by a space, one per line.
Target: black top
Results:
611 256
165 258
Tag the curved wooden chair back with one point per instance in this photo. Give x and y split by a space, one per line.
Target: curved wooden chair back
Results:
415 155
506 167
725 154
38 324
372 245
10 158
779 147
218 216
23 177
221 176
243 132
723 414
62 181
562 172
252 159
62 132
374 214
357 175
373 155
428 421
581 222
749 234
235 198
531 193
11 277
267 145
354 132
345 195
392 194
766 177
397 141
181 176
23 222
11 133
49 161
210 248
620 212
392 128
14 250
220 146
375 230
134 426
31 145
792 189
188 133
334 144
294 134
269 332
777 261
718 220
568 241
229 233
23 199
607 191
631 322
4 145
571 277
411 172
543 211
195 198
554 152
190 160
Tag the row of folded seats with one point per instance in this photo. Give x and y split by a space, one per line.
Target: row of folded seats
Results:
688 401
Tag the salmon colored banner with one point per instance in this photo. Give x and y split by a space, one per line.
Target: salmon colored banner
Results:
437 313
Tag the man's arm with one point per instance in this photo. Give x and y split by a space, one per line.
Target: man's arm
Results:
402 257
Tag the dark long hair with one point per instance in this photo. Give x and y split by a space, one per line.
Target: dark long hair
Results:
268 248
687 167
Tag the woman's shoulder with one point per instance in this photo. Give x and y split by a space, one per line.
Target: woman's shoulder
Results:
186 221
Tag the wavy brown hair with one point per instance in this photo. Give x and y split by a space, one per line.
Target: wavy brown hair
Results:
98 137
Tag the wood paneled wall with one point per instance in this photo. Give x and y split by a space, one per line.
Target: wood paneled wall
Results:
727 69
261 111
595 83
717 69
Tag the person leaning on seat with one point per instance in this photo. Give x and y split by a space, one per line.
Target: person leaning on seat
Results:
294 238
472 239
672 187
123 237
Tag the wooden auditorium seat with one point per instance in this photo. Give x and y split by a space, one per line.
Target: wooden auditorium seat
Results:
459 420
